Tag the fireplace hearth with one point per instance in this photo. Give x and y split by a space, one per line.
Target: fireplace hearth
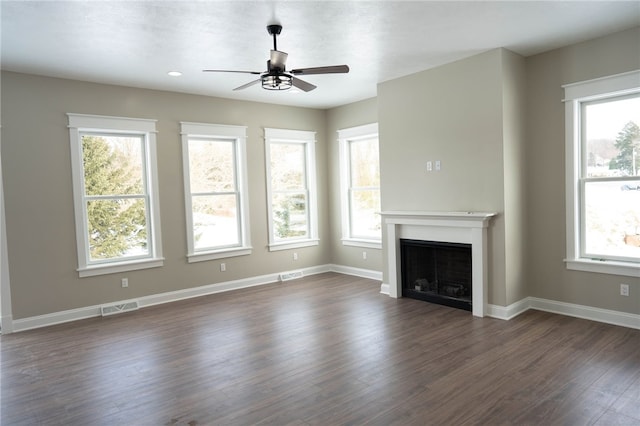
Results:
437 272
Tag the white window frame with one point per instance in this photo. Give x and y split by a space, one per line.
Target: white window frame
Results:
238 136
345 138
308 139
575 95
81 123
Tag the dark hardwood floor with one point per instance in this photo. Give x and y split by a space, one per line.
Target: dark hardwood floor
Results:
322 350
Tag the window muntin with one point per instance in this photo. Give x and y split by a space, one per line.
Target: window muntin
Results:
215 191
603 222
115 194
360 183
291 188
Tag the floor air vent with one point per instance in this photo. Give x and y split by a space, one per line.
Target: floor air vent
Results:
119 307
286 276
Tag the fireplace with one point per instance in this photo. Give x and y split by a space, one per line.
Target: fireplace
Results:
437 272
443 227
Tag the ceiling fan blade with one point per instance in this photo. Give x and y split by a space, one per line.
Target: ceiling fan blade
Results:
241 72
251 83
334 69
278 59
302 85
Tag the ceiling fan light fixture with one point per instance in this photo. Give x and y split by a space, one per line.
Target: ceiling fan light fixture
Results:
277 82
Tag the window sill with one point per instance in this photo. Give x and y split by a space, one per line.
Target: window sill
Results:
604 267
218 254
113 268
354 242
293 244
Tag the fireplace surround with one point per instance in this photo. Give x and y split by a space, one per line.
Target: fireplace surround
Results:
447 227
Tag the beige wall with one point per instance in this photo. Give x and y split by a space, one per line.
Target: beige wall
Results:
514 164
546 73
453 113
39 202
352 115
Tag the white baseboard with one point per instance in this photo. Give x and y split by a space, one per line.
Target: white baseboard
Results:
587 312
608 316
54 318
508 312
501 312
358 272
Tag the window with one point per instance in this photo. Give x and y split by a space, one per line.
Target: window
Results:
291 188
360 186
115 193
603 175
215 182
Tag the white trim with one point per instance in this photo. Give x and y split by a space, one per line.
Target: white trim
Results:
89 122
359 132
345 137
225 131
293 244
354 242
508 312
357 272
155 299
608 316
614 85
500 312
307 139
454 227
287 135
604 267
218 254
590 313
237 136
576 94
146 128
113 268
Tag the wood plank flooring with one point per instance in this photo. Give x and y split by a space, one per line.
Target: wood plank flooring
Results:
322 350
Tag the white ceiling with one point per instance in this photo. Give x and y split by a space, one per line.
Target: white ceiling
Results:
135 43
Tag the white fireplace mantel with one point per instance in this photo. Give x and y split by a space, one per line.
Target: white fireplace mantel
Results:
453 227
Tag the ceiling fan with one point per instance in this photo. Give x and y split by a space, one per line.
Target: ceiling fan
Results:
276 77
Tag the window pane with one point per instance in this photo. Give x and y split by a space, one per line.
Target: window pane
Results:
290 215
365 165
287 166
117 229
613 137
211 166
365 222
215 223
612 219
112 164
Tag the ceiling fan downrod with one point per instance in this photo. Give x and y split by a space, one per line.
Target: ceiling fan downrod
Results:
274 30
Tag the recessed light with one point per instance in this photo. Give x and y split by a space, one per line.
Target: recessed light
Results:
174 73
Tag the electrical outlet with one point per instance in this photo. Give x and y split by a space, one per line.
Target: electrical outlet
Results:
125 282
624 289
429 166
223 267
364 255
295 256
